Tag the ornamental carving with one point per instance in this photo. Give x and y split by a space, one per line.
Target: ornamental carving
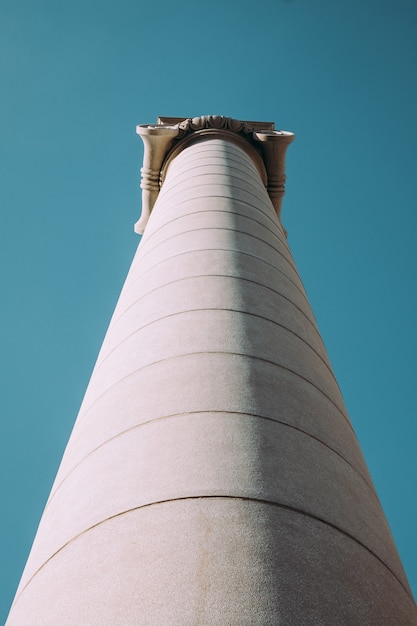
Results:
217 122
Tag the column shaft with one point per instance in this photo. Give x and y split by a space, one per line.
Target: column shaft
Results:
213 476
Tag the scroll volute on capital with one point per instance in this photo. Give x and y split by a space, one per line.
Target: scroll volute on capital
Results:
274 144
156 139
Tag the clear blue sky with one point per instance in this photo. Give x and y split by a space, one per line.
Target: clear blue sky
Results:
75 79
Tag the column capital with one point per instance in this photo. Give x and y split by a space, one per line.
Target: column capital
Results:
164 140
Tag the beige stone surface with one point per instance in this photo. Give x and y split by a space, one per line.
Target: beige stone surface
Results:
213 476
214 455
214 561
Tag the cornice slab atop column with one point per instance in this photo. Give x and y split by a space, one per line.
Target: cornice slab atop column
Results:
164 140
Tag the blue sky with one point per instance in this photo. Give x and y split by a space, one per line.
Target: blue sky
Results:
76 77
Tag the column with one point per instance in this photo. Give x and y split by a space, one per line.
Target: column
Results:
213 476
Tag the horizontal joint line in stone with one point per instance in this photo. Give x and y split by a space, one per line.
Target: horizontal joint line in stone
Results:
218 352
220 497
234 230
208 212
230 310
212 158
199 250
210 412
268 214
215 179
206 195
179 174
116 320
213 152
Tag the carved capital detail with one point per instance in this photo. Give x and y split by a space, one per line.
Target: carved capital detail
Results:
274 146
216 122
267 145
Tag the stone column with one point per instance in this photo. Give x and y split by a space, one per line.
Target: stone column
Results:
213 476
